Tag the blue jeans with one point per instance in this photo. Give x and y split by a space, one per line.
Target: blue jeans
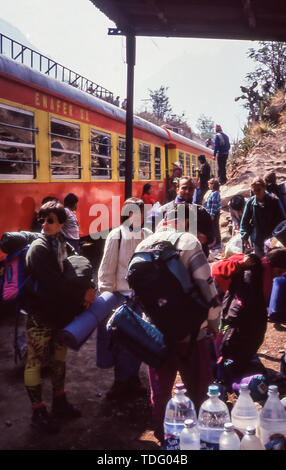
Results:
125 364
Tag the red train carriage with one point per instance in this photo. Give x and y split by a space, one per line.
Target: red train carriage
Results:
56 139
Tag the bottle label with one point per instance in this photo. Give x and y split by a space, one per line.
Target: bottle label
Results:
171 442
209 445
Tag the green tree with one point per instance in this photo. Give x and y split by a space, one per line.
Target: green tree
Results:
163 113
160 102
270 72
268 76
206 127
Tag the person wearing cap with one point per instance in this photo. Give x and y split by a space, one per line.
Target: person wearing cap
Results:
190 358
184 193
221 149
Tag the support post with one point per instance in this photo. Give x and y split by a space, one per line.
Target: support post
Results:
130 58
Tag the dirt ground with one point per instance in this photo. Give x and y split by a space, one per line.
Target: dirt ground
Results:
101 427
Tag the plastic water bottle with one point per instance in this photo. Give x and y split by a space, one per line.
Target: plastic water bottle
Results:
250 441
244 412
272 416
178 409
212 416
229 440
190 436
283 401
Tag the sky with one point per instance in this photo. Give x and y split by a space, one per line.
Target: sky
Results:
203 76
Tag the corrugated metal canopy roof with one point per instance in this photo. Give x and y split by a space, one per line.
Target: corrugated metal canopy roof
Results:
220 19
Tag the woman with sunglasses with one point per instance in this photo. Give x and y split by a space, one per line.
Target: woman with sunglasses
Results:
46 297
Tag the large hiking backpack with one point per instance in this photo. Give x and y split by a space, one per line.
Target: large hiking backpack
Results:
166 291
15 245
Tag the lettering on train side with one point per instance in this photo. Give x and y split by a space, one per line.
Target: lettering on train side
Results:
60 106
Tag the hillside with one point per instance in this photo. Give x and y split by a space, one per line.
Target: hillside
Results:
268 153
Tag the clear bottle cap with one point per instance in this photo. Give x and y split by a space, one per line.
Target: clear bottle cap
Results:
250 430
272 389
228 427
189 423
213 390
179 386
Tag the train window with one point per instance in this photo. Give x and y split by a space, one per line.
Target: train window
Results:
100 155
157 163
181 160
144 161
194 166
188 164
17 144
65 149
122 153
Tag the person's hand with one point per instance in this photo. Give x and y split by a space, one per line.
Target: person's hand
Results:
89 298
213 332
245 244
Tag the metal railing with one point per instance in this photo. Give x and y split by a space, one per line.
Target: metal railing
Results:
34 59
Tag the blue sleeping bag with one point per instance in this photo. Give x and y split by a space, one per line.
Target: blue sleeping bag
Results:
79 330
277 304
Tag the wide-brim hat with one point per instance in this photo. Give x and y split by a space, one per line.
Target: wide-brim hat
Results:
177 164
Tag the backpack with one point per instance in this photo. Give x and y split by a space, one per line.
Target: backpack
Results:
14 276
166 291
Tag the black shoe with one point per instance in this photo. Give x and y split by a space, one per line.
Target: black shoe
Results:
43 421
131 388
135 387
62 409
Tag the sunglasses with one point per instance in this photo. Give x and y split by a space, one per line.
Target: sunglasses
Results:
49 220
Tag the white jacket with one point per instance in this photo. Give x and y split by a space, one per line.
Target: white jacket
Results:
114 263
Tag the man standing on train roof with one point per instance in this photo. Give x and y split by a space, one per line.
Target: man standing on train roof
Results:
184 193
221 149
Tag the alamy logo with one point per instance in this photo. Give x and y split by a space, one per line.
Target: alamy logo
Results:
135 218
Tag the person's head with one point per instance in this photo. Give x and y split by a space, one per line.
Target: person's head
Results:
185 188
202 158
258 187
52 216
237 202
70 201
213 184
147 189
270 177
277 260
130 210
218 128
180 216
48 199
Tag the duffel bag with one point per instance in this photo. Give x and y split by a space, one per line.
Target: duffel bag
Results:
140 337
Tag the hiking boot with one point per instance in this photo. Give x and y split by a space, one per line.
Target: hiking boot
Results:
43 421
63 409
